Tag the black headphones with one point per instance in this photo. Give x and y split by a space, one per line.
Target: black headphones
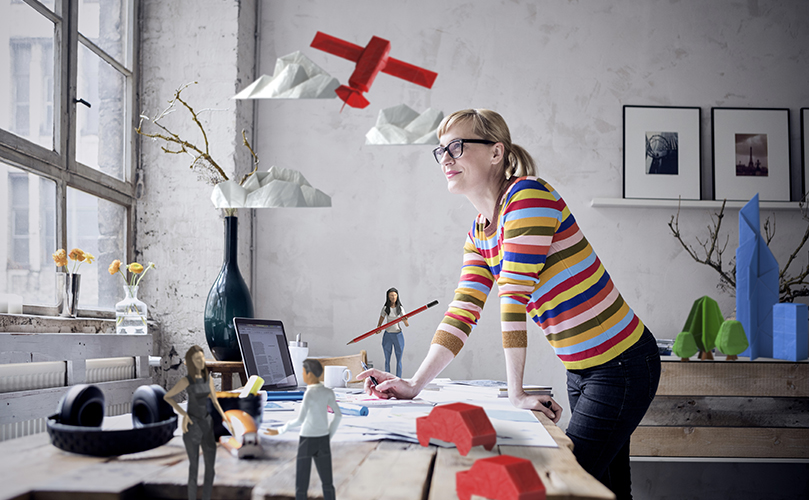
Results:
76 425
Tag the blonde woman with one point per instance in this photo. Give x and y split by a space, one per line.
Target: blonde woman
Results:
527 241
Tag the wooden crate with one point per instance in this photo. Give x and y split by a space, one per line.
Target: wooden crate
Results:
728 409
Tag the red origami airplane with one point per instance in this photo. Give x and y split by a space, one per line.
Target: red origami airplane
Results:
370 60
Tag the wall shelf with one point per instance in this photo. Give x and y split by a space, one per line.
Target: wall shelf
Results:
709 204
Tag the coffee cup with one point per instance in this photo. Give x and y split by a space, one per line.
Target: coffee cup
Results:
336 376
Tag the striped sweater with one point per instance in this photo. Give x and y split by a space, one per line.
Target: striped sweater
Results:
544 267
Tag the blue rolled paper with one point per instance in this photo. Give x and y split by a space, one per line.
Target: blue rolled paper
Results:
756 283
790 330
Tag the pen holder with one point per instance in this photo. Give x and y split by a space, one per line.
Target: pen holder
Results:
253 405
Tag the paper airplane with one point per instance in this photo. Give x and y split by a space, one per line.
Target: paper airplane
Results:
295 77
277 187
402 125
756 283
370 60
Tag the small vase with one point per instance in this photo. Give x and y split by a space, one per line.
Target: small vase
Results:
130 313
68 286
229 298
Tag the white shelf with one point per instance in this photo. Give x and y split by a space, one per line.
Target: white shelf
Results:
709 204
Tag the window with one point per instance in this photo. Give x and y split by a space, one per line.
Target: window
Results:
67 120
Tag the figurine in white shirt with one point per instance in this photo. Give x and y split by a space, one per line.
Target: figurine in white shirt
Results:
316 431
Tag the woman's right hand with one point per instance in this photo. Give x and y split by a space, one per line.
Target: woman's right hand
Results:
389 386
186 422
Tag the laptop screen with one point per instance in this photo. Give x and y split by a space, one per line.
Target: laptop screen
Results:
265 352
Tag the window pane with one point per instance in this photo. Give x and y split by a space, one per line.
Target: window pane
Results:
100 128
26 73
107 25
27 236
99 227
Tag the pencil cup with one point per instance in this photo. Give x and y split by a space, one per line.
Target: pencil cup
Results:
336 376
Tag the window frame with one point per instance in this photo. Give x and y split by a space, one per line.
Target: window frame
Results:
60 164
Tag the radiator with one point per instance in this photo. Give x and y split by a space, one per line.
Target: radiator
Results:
31 376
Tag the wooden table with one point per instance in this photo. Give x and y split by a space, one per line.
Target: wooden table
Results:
30 467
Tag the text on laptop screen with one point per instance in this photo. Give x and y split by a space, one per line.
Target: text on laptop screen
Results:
266 353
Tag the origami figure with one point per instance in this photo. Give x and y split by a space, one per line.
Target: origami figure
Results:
460 423
197 423
703 322
791 331
756 283
393 339
503 477
316 431
370 60
684 345
731 339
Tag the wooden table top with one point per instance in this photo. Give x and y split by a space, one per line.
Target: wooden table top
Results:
361 471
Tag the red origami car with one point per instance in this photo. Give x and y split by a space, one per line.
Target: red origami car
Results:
500 478
460 423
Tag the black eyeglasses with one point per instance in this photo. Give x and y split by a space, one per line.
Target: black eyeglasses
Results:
455 148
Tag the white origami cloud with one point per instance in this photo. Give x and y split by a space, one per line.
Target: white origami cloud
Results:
401 125
295 77
277 187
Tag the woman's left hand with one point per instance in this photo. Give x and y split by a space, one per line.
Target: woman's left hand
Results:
528 402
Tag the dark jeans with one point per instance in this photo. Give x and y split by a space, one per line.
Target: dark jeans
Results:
318 448
607 403
200 433
393 341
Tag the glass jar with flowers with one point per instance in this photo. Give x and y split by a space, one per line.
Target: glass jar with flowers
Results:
68 283
130 313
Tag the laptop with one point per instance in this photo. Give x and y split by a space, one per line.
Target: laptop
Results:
265 351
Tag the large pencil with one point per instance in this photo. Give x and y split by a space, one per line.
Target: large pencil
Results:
377 329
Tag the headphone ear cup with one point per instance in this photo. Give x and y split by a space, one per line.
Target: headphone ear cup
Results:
81 405
149 407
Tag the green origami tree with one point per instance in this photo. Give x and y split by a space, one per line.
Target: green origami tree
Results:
731 339
703 323
684 345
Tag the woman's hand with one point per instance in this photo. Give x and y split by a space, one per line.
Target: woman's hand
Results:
527 402
389 386
186 422
271 432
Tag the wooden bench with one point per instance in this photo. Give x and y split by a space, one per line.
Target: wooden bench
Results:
728 409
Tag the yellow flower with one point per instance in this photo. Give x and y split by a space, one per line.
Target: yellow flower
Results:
89 258
135 268
115 266
60 257
77 254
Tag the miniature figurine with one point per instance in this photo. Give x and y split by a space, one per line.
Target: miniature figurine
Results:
393 338
315 431
199 386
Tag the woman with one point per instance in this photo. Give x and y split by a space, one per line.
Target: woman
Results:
526 240
200 387
393 338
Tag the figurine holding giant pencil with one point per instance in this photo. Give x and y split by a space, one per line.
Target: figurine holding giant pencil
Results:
380 328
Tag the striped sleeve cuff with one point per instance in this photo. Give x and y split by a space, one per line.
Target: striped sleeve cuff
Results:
517 338
448 340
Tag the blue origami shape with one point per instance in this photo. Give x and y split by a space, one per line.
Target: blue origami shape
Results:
790 331
756 283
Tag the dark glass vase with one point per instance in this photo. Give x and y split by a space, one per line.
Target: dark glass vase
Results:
229 298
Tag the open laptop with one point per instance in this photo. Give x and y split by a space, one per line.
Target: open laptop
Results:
265 351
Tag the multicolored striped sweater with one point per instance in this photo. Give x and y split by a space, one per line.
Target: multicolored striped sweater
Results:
544 267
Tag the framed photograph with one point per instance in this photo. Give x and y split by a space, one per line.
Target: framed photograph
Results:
750 154
662 157
804 149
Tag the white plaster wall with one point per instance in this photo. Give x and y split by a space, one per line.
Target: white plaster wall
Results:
210 42
559 72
